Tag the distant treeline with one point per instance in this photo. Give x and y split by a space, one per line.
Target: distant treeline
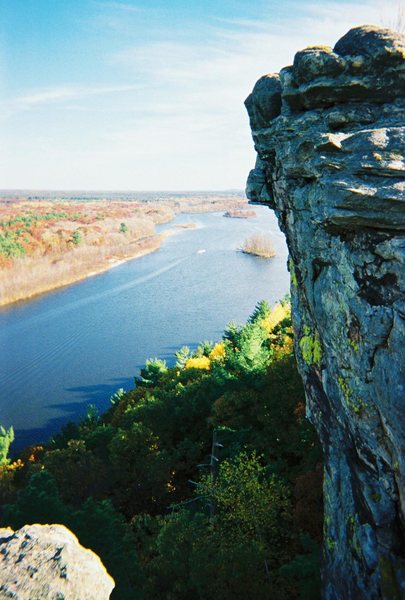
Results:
127 196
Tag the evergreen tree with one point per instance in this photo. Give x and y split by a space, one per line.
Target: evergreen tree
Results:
6 439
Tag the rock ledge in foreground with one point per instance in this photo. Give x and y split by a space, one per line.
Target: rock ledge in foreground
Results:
47 562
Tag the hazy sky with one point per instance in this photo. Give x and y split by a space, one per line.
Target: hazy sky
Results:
146 94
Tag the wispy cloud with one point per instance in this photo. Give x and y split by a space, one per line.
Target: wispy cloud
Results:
43 97
123 19
122 6
56 94
192 122
177 118
62 96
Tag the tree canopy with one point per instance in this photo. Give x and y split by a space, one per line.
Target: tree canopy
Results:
202 477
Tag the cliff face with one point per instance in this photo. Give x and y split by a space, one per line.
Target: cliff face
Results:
47 561
330 137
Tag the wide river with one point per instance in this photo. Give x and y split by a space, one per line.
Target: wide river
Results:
76 346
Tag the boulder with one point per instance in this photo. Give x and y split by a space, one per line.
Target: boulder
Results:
47 562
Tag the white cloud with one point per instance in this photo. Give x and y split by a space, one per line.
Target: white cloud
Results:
182 123
123 7
56 94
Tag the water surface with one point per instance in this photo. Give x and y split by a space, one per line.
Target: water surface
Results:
77 345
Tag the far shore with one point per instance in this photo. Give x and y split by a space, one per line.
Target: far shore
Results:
86 273
141 248
46 243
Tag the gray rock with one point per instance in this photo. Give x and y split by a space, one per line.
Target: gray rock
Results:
332 166
366 65
40 562
264 103
377 44
316 61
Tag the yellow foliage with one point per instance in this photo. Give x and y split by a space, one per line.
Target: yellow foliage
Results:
278 313
170 487
286 348
17 464
35 453
218 352
14 466
198 362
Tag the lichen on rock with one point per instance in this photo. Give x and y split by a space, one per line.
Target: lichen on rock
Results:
330 138
47 562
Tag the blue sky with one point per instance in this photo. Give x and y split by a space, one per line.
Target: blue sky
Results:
146 95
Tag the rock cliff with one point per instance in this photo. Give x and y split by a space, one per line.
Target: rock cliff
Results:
330 138
47 561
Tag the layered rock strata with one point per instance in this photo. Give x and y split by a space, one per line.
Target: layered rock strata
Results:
330 138
47 561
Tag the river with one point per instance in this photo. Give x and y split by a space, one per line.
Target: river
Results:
76 346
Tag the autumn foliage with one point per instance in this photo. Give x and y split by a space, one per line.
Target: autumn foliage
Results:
259 245
47 242
205 478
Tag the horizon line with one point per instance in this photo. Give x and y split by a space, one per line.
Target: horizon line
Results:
115 191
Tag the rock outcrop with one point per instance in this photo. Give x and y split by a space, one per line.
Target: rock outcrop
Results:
47 562
330 137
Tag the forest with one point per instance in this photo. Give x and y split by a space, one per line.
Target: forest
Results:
203 481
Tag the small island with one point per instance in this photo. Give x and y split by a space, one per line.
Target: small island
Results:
239 214
259 245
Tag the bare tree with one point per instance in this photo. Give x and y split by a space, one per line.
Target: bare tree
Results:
394 19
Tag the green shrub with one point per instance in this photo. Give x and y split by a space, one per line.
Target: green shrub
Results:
77 237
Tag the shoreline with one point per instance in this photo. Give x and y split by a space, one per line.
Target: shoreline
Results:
47 244
111 263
